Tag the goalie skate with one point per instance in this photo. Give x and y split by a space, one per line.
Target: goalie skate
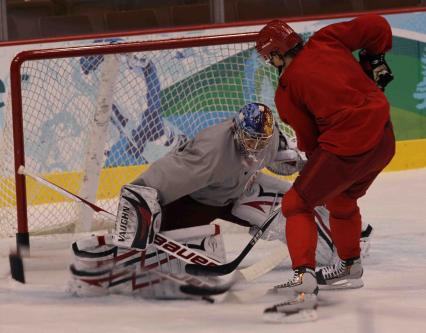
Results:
345 274
300 308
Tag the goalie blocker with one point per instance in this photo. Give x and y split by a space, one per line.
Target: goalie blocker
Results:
138 217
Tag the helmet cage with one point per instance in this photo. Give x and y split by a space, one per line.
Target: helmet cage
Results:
249 144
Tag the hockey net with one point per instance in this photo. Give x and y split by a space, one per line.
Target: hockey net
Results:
94 117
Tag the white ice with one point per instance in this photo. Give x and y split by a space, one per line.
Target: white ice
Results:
392 300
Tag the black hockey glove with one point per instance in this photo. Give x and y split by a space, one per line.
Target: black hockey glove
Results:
376 67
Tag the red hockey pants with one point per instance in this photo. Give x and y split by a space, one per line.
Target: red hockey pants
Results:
337 182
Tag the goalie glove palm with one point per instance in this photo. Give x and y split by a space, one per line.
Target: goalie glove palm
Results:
138 217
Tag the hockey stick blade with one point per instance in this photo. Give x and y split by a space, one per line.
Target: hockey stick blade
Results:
212 290
204 291
17 267
231 266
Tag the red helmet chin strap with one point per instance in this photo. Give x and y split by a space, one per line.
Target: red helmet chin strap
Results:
276 36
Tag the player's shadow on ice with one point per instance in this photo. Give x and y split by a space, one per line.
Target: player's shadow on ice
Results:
327 300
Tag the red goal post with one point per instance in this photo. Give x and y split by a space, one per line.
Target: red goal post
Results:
92 115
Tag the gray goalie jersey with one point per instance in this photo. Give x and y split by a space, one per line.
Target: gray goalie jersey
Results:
209 168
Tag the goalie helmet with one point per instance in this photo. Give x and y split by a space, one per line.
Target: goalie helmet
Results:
253 128
277 36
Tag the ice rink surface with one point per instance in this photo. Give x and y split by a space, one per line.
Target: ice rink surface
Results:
392 300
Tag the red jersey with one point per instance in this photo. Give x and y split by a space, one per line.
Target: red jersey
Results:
326 97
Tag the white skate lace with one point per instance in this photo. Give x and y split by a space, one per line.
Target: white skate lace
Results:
294 281
338 270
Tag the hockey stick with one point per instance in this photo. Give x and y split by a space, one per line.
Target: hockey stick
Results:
246 274
191 285
162 242
113 260
195 259
232 265
96 266
23 171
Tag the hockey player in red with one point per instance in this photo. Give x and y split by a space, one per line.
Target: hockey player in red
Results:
341 117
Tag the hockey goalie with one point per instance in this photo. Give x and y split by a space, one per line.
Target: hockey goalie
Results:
214 176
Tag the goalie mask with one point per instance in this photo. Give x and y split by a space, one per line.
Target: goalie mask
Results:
253 128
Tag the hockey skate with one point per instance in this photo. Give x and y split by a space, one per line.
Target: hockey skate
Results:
365 241
300 302
303 281
345 274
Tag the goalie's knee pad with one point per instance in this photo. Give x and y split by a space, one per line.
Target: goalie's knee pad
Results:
138 217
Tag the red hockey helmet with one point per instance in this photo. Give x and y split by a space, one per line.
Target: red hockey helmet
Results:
276 36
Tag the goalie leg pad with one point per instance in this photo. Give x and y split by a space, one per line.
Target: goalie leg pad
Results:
152 274
138 217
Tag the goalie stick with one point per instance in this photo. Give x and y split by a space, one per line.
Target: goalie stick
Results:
227 268
162 242
195 260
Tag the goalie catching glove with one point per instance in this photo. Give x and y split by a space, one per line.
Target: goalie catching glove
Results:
289 159
376 67
138 217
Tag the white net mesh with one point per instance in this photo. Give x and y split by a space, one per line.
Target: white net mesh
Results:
159 98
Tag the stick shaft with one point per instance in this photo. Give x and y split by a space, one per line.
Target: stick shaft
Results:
23 171
233 265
